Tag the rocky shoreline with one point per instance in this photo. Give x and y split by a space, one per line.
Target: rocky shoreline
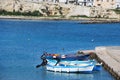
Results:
83 20
100 21
41 18
22 9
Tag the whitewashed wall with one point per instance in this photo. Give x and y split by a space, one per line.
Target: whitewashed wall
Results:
117 3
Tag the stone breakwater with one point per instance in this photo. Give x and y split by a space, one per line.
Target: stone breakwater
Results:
110 57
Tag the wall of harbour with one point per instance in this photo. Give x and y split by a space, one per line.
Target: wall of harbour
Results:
109 56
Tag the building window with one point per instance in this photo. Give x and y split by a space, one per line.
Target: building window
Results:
97 0
99 4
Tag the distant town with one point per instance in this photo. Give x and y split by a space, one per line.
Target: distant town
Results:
62 8
111 4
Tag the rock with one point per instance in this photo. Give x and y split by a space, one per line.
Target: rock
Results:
55 9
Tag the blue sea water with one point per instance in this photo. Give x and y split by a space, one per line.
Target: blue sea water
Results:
23 41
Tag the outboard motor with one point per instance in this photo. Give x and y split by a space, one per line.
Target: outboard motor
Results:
44 55
44 62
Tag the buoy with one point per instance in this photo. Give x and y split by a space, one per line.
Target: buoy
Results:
28 39
92 40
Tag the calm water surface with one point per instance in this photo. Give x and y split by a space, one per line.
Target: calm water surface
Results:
22 42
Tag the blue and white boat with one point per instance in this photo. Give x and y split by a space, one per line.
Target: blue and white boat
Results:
71 66
66 57
68 69
97 67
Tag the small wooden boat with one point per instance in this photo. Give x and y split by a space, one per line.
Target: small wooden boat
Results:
76 62
70 66
66 57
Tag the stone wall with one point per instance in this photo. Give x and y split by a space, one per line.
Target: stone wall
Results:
109 56
78 10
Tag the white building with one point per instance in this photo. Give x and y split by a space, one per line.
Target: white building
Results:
80 2
117 4
37 1
103 3
85 2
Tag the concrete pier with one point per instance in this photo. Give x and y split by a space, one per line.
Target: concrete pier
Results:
110 57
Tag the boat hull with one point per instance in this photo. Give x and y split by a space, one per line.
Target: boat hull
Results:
85 69
73 66
70 66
